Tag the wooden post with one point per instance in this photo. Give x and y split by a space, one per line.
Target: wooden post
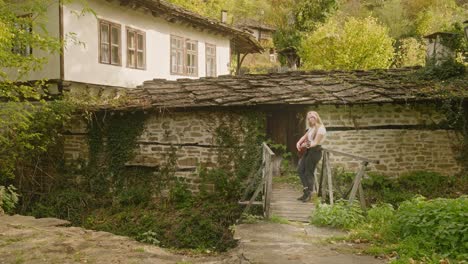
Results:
268 156
323 178
361 198
357 182
329 174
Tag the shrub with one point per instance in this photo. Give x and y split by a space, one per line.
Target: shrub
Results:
8 199
69 204
339 215
420 229
443 221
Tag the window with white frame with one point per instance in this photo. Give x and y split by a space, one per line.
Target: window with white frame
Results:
136 49
191 54
184 56
177 55
109 43
210 60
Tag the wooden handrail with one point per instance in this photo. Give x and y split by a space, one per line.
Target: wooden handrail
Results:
351 156
266 171
356 187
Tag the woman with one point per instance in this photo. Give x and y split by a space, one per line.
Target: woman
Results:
311 142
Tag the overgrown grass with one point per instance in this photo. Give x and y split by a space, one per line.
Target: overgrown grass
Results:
426 230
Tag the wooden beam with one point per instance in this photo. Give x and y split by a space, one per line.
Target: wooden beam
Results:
357 182
352 156
329 174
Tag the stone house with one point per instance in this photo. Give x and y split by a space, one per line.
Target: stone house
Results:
123 43
378 114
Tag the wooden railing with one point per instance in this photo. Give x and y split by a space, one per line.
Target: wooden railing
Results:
326 177
266 173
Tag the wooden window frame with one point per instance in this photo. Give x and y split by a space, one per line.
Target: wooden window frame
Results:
184 53
137 32
195 54
212 46
181 39
110 44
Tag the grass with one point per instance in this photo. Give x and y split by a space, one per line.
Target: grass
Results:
290 178
278 220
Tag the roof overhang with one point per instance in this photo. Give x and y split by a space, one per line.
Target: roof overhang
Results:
242 42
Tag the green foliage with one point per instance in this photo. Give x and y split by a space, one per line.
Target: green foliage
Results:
358 44
251 218
443 71
154 206
444 221
149 237
112 142
68 203
420 229
308 14
410 52
278 220
339 215
8 199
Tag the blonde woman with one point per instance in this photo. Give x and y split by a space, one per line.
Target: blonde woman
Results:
311 143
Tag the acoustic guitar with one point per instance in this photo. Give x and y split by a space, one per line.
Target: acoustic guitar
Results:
303 149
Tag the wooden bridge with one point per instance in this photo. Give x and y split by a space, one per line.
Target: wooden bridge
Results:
281 199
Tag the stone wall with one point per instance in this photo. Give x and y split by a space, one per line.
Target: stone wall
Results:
404 138
189 134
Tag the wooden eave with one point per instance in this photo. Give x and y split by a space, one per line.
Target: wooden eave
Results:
243 42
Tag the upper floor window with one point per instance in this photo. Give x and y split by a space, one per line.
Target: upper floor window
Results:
23 28
192 57
177 55
136 49
210 52
109 43
184 56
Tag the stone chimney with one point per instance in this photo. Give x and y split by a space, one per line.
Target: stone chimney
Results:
437 50
224 16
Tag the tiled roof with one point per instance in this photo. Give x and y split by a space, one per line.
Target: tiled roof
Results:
291 88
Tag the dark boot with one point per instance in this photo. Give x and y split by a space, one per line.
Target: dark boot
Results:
307 196
303 195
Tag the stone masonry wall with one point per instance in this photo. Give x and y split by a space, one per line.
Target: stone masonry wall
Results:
402 137
190 134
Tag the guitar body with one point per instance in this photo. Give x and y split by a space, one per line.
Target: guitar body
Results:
303 149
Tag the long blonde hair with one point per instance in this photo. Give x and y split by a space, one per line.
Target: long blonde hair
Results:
317 117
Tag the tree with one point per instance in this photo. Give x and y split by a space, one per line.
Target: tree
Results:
25 128
358 44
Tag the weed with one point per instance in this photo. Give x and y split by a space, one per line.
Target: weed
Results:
278 220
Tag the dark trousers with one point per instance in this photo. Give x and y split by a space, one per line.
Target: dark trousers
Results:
307 165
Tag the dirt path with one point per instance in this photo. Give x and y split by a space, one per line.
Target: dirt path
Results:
294 243
27 240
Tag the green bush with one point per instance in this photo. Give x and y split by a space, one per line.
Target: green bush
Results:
420 229
339 215
69 204
8 199
379 188
134 195
443 221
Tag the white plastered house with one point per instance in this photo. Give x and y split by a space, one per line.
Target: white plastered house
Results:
123 43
